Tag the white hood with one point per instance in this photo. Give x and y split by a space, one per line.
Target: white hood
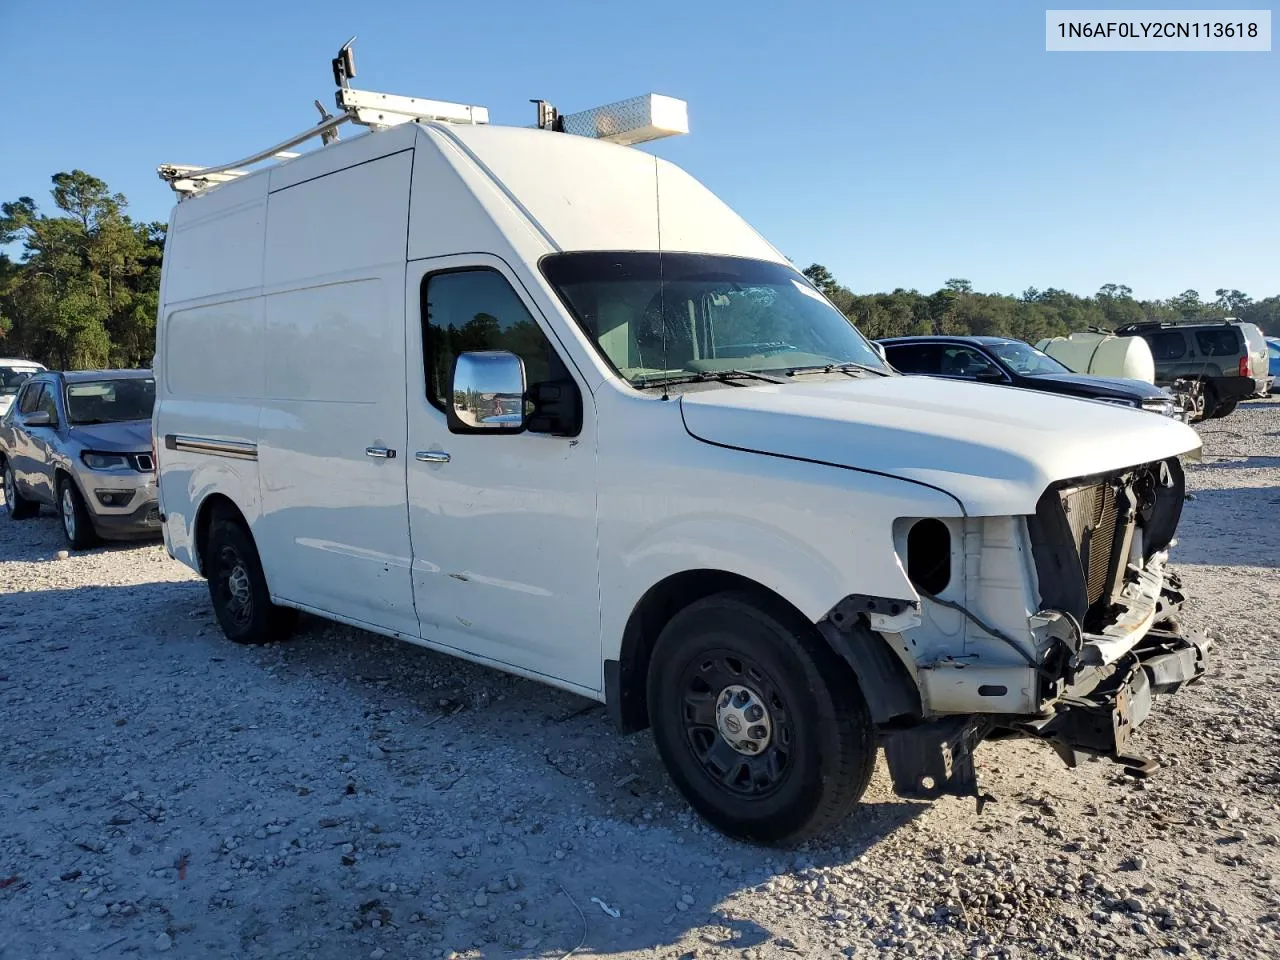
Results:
994 448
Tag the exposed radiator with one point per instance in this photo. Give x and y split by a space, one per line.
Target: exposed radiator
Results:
1091 513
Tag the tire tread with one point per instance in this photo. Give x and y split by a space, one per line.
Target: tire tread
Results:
841 710
270 621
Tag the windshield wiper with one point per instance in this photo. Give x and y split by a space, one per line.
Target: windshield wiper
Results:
705 376
846 368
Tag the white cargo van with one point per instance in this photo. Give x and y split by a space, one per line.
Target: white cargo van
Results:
544 402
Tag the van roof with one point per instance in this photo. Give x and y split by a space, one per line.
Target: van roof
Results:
571 192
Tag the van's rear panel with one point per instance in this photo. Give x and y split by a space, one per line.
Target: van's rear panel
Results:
209 362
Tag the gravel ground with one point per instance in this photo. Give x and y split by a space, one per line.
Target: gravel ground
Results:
345 796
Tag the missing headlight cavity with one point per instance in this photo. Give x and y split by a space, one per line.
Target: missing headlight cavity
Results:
929 555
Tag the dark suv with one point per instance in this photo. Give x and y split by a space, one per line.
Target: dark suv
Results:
1228 357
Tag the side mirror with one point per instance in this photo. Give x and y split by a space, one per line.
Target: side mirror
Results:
38 418
487 393
989 375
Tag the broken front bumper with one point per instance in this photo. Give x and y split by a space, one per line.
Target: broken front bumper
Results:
1096 715
1104 705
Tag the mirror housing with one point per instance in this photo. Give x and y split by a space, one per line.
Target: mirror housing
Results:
38 418
990 375
487 393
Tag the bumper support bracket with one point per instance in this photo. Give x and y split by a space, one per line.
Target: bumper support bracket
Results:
1104 706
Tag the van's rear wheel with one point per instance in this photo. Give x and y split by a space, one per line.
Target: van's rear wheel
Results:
238 588
761 726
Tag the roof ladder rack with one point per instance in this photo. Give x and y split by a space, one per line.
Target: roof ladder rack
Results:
364 107
627 122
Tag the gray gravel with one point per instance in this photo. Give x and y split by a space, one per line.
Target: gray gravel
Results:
164 791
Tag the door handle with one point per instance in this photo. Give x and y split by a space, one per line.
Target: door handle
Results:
432 456
382 453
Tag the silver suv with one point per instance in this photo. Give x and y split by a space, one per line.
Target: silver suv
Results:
81 442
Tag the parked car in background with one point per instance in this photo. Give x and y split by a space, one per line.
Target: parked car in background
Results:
1012 363
13 374
81 442
1273 366
1228 356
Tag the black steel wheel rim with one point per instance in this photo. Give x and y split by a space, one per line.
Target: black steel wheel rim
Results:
234 590
701 686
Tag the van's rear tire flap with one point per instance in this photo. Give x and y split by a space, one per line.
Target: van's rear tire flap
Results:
238 587
737 662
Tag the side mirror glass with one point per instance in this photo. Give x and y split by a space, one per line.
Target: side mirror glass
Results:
37 418
487 393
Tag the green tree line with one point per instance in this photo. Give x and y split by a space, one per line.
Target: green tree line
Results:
84 289
1034 314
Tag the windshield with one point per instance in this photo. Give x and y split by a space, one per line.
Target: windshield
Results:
12 379
669 315
110 401
1026 360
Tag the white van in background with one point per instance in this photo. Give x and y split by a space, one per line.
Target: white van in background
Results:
544 402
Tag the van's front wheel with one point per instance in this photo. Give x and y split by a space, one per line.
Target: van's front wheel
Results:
238 588
761 726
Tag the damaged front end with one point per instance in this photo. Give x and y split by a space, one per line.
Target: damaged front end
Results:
1096 634
1101 553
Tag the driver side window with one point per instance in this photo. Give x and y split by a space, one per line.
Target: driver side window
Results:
476 309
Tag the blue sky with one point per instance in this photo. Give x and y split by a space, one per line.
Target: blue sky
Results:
901 143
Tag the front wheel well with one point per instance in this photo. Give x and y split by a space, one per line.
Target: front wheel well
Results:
625 677
216 506
61 473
